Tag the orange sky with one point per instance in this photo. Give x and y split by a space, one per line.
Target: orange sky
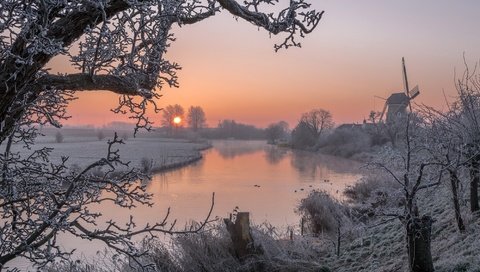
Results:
232 71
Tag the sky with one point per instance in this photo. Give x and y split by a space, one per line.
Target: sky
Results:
231 70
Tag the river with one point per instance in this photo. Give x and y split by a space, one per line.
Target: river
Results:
265 180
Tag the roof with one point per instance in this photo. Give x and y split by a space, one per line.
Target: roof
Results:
349 126
397 98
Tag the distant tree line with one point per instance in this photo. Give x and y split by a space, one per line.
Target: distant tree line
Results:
230 129
196 122
195 119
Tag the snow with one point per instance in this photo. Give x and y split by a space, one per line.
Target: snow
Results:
84 150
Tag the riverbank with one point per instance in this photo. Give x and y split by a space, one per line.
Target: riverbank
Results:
374 243
378 242
151 155
362 156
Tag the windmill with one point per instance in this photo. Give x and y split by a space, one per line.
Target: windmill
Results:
396 104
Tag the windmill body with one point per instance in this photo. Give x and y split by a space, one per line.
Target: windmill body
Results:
397 104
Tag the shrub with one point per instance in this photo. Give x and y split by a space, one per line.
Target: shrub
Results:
100 135
302 137
346 142
59 137
366 187
321 212
146 165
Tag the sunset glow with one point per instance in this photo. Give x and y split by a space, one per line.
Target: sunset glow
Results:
354 55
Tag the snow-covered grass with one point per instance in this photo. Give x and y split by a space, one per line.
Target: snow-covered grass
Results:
163 153
382 244
212 251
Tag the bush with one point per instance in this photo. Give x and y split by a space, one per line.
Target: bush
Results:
59 137
346 142
366 187
100 135
321 212
374 192
146 165
302 137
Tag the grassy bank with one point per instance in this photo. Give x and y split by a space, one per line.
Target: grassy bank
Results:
378 242
148 154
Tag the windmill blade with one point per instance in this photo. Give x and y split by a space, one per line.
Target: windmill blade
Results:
414 92
405 79
407 89
383 112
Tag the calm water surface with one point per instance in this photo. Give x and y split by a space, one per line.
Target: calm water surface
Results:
264 180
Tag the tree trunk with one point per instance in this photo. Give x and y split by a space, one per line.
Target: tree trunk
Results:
474 180
339 238
418 243
241 236
458 215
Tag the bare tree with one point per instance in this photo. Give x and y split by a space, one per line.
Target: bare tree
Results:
455 142
467 122
447 150
317 121
169 114
303 137
276 131
312 125
117 46
411 167
196 118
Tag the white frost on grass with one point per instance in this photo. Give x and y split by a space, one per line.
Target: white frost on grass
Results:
382 245
81 151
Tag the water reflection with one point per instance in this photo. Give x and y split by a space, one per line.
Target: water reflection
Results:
311 166
275 155
230 149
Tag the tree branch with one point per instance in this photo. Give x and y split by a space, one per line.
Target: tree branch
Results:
262 20
126 85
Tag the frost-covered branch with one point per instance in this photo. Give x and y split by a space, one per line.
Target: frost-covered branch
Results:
294 20
127 85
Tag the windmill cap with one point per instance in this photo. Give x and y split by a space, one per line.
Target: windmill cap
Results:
397 98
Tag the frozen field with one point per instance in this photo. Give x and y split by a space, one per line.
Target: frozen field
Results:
157 153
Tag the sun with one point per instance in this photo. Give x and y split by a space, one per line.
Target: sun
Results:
177 120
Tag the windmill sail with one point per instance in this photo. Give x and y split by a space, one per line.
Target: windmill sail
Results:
414 92
405 79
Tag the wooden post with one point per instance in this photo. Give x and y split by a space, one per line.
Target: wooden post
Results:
241 236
